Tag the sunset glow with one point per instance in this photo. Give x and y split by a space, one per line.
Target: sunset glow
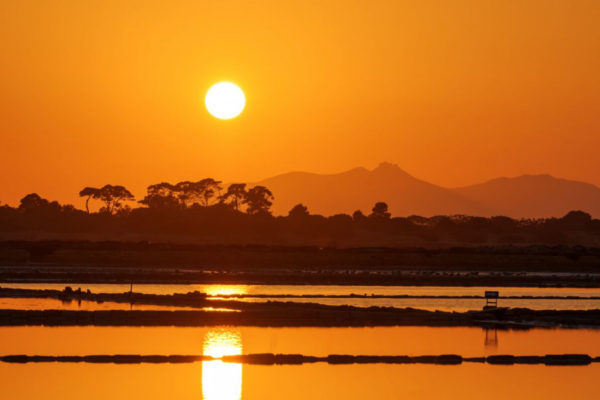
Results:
344 199
454 93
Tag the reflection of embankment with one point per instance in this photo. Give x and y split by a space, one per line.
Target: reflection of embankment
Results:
305 314
222 375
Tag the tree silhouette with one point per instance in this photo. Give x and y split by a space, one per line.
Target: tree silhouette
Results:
380 210
576 219
91 193
162 196
235 195
177 212
358 215
298 211
113 198
185 192
259 199
207 189
181 195
33 201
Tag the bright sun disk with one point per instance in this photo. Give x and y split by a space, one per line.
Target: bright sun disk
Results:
225 100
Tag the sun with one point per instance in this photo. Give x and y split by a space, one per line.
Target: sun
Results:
225 100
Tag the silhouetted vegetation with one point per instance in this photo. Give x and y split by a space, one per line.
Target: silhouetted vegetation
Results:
144 262
204 212
113 197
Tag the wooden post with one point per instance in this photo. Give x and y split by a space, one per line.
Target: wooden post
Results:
131 296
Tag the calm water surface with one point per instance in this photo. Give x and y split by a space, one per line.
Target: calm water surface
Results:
318 381
310 341
212 380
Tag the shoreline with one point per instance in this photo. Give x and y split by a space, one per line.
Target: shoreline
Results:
162 263
199 299
299 359
277 314
82 274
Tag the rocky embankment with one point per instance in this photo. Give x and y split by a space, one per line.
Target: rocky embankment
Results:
277 314
297 359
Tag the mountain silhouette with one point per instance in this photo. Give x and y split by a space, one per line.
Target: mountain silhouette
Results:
358 189
534 196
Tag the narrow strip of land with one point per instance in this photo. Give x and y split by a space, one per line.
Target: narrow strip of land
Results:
375 276
124 262
198 299
277 314
297 359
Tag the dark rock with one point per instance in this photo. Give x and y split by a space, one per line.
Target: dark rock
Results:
474 359
340 359
179 359
446 359
101 359
449 359
529 360
567 359
155 359
20 358
501 359
127 359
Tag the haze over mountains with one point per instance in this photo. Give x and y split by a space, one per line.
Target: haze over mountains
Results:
526 196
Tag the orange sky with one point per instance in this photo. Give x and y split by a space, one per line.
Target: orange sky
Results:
95 92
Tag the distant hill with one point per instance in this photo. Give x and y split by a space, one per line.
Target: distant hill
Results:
534 196
358 189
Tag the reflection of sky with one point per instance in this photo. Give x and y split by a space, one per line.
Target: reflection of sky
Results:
222 381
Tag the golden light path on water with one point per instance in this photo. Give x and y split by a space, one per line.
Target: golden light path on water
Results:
223 290
222 381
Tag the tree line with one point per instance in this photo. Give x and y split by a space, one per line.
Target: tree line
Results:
205 211
167 196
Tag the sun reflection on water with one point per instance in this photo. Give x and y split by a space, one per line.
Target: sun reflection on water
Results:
222 381
224 290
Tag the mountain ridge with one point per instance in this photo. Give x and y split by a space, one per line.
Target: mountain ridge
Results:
523 196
